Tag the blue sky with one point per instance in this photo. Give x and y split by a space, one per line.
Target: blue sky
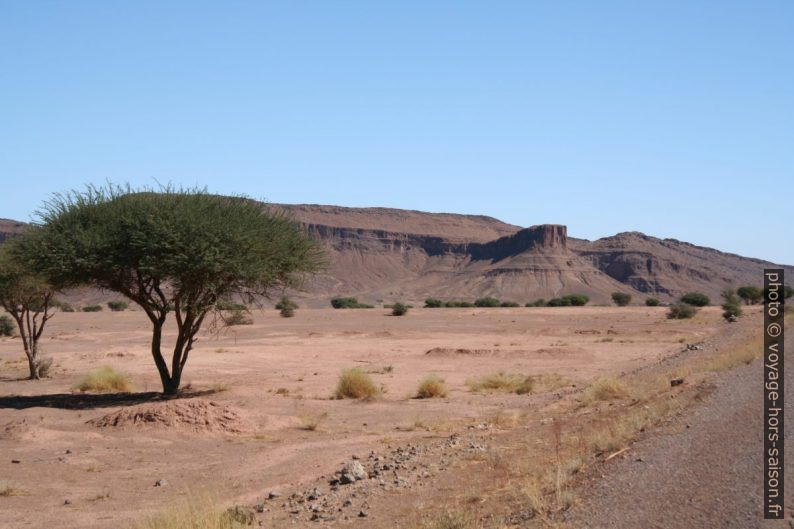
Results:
671 118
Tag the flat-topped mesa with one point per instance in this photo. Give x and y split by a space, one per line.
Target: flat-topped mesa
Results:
547 238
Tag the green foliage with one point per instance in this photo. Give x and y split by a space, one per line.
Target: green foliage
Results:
457 304
681 311
118 306
731 307
185 249
286 303
237 317
287 312
226 305
540 302
652 302
348 303
432 303
750 295
787 291
61 305
696 299
6 326
621 299
487 302
576 300
92 308
558 302
399 309
510 304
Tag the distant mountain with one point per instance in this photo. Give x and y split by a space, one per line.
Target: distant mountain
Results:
388 254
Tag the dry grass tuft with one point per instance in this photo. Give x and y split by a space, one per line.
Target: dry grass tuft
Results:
105 379
312 421
200 513
453 520
355 384
517 383
431 387
605 388
9 488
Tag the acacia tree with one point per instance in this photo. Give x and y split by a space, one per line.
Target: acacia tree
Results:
174 251
28 298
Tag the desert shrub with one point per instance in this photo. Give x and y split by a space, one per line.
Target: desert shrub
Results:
237 317
508 382
9 488
750 295
61 305
731 307
312 421
6 326
43 366
696 299
652 302
355 384
92 308
286 303
431 387
118 306
558 302
681 311
621 299
540 302
605 388
195 513
104 379
487 302
399 309
287 312
456 304
348 303
432 303
510 304
577 300
229 306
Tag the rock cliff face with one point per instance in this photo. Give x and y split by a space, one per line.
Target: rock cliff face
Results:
381 254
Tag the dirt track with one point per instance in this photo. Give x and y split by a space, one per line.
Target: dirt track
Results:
706 473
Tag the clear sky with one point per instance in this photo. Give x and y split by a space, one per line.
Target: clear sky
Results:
675 118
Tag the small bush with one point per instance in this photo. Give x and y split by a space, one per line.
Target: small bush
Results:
237 317
537 303
228 306
431 387
287 312
61 305
605 388
118 306
510 304
751 295
286 303
652 302
195 513
348 303
731 308
105 379
681 311
9 488
432 303
621 299
92 308
456 304
355 384
6 326
312 421
44 364
558 302
696 299
398 309
577 300
508 382
487 302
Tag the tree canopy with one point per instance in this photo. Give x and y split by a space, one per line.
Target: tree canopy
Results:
172 251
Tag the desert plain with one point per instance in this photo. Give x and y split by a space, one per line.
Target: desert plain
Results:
257 424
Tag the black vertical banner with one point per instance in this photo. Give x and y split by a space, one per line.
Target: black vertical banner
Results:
773 393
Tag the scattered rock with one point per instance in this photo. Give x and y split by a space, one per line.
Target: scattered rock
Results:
273 495
67 502
160 483
676 382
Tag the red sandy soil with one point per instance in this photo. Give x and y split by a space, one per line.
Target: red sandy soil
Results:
238 433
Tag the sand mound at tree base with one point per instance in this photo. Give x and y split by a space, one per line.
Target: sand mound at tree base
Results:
199 415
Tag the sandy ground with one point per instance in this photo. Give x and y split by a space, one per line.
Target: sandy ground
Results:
264 381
